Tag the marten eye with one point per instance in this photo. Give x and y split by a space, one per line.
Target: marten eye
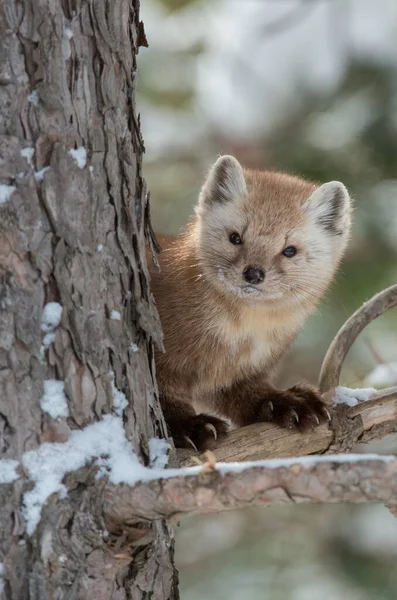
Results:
290 251
235 239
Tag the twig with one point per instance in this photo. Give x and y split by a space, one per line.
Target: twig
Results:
333 361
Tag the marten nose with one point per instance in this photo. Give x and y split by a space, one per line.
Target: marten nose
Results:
253 275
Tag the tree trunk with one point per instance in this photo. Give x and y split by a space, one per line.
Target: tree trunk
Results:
73 221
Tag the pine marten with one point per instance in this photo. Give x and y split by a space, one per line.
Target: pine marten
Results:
233 292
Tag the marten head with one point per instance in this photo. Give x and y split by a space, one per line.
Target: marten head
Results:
269 237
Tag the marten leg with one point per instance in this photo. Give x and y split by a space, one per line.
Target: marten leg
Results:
189 429
251 401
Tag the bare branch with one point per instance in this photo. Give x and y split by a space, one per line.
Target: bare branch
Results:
333 361
369 420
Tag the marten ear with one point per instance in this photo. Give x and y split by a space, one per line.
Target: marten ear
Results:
329 205
225 182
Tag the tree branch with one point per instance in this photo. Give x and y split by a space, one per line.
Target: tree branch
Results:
369 420
333 361
352 478
214 487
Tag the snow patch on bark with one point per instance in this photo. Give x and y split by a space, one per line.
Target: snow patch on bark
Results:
28 153
34 97
8 472
39 175
120 402
80 156
51 316
159 450
54 401
50 319
6 192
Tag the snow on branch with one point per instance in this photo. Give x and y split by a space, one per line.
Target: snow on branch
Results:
361 478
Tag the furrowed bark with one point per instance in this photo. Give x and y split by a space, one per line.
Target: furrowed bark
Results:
72 230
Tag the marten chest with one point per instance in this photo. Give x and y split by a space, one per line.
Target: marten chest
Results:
255 343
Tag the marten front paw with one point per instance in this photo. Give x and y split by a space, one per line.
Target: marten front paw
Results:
299 406
198 431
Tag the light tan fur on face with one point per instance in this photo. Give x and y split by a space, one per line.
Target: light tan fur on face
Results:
218 330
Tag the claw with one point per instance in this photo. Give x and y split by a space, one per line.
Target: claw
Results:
210 427
295 414
328 415
271 405
317 419
189 441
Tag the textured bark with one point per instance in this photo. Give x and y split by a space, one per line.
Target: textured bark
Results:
311 479
75 235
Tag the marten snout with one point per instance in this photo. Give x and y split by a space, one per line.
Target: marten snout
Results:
254 275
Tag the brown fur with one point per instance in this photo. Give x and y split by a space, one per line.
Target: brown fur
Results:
223 347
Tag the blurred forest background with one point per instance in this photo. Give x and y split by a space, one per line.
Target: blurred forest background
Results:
309 87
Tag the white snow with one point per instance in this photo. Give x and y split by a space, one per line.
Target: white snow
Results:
48 465
8 472
80 156
100 247
304 461
28 153
48 339
383 375
54 400
134 347
6 192
353 397
159 450
34 97
91 168
120 402
115 315
68 33
39 175
51 316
